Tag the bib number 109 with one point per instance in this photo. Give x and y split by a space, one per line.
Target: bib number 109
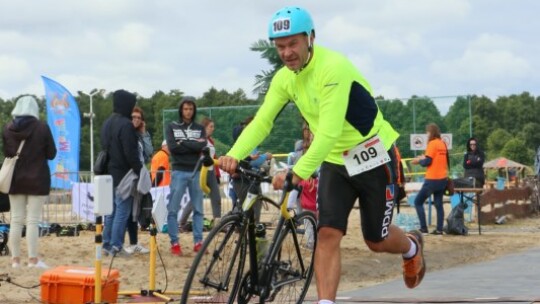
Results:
366 156
281 26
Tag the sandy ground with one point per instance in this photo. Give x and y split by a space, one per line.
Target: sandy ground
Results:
360 267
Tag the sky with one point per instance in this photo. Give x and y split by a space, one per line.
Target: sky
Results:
402 47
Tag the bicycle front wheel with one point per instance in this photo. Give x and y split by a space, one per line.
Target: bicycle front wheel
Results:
291 260
217 269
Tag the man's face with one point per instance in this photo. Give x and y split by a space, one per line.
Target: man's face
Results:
187 111
293 50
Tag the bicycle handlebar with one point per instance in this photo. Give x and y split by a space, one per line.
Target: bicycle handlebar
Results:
207 161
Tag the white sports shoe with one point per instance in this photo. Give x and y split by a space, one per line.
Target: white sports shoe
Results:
131 249
39 264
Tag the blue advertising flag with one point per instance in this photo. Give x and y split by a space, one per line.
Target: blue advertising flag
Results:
65 122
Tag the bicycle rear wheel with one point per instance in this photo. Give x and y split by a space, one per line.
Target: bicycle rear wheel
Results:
291 260
217 269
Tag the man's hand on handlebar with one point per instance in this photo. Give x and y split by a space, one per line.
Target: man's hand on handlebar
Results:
279 180
228 164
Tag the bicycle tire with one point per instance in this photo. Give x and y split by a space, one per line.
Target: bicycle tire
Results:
290 273
216 272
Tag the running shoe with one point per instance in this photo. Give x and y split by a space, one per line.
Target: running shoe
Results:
414 268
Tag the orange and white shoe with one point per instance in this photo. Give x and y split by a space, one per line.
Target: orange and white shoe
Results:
414 268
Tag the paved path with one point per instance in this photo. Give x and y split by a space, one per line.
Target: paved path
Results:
510 279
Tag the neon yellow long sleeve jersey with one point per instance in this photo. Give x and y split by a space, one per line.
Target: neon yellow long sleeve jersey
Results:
335 100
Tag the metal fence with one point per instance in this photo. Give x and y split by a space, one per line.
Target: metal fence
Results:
72 201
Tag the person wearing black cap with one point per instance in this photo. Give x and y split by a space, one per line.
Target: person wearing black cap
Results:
185 139
120 139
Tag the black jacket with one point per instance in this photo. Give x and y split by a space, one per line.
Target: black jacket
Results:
119 137
473 161
31 175
183 142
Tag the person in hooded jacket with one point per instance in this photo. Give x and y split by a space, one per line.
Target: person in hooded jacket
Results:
185 139
473 162
31 182
120 139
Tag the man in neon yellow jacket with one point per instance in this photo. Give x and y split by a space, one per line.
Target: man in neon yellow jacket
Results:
353 146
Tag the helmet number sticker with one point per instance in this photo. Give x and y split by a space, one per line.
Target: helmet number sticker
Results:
282 26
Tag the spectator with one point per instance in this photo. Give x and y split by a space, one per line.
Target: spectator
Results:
212 180
120 138
436 162
473 162
160 167
144 139
145 151
300 147
185 139
31 182
213 176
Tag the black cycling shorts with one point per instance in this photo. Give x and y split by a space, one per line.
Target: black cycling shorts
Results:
375 189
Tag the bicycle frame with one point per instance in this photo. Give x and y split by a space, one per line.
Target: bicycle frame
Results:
260 272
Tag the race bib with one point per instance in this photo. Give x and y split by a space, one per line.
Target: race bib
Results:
366 156
281 26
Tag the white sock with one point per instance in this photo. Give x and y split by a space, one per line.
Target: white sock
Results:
412 250
326 302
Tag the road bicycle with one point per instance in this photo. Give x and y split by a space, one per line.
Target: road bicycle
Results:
233 267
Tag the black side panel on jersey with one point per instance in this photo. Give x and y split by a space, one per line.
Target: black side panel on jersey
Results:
362 109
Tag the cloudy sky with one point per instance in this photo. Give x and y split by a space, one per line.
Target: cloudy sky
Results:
403 47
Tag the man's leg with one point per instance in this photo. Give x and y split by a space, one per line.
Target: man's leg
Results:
396 242
335 199
328 262
123 211
178 188
186 212
377 200
107 229
195 193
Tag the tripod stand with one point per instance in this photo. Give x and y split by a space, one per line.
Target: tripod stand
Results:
152 291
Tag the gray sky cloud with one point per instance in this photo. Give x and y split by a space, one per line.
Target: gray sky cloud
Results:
404 48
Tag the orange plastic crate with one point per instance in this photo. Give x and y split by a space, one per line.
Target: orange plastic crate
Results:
75 285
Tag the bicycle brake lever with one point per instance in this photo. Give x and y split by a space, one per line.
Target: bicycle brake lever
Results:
288 184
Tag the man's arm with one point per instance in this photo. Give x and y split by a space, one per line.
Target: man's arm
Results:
148 149
129 147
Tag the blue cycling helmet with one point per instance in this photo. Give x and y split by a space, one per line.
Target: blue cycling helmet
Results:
288 21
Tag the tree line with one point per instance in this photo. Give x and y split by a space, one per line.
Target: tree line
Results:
507 126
